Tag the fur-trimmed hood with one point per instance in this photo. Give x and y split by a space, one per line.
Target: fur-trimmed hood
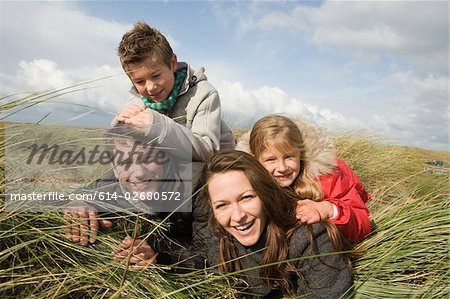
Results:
320 157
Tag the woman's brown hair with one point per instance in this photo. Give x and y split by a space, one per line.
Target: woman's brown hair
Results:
278 204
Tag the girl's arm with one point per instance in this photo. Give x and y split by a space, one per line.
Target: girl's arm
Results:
346 192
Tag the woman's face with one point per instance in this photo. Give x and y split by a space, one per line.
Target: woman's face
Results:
237 207
284 166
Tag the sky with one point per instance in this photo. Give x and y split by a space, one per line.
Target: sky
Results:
380 67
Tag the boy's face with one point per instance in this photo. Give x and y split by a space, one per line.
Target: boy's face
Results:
154 80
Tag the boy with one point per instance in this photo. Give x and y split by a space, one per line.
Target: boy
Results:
172 103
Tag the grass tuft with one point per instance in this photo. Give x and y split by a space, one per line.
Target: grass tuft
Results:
405 257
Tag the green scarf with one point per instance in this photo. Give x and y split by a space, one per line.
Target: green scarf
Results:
180 76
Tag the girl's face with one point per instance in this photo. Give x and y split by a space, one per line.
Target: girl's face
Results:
237 207
284 166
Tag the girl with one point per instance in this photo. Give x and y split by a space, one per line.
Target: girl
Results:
300 158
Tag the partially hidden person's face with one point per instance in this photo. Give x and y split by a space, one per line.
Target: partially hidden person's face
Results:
284 166
136 172
154 80
237 207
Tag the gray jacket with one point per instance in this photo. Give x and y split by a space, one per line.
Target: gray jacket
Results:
324 277
327 276
195 118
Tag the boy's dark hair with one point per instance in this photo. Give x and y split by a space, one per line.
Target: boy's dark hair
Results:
142 43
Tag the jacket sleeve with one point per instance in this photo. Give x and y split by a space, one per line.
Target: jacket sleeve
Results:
203 136
323 273
202 251
345 190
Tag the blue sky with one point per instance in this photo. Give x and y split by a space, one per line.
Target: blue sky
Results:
376 66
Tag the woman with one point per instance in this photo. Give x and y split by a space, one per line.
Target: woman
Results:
298 156
259 239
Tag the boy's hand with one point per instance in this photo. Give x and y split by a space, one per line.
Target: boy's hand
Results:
143 118
142 254
83 223
128 112
309 211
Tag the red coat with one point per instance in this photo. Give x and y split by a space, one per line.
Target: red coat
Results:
339 183
345 190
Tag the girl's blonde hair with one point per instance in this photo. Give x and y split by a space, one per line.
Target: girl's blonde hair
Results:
282 133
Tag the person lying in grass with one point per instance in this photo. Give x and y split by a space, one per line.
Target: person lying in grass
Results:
139 173
259 240
299 158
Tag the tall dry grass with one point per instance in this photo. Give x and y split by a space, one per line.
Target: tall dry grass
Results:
406 257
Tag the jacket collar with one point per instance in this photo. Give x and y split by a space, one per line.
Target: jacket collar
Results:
192 78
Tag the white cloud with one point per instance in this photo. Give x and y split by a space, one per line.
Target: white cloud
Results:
391 56
298 19
42 72
417 31
54 44
409 127
418 123
51 45
431 90
56 31
420 115
107 92
409 29
245 106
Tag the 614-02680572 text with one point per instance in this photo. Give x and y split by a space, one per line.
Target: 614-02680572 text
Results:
102 196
